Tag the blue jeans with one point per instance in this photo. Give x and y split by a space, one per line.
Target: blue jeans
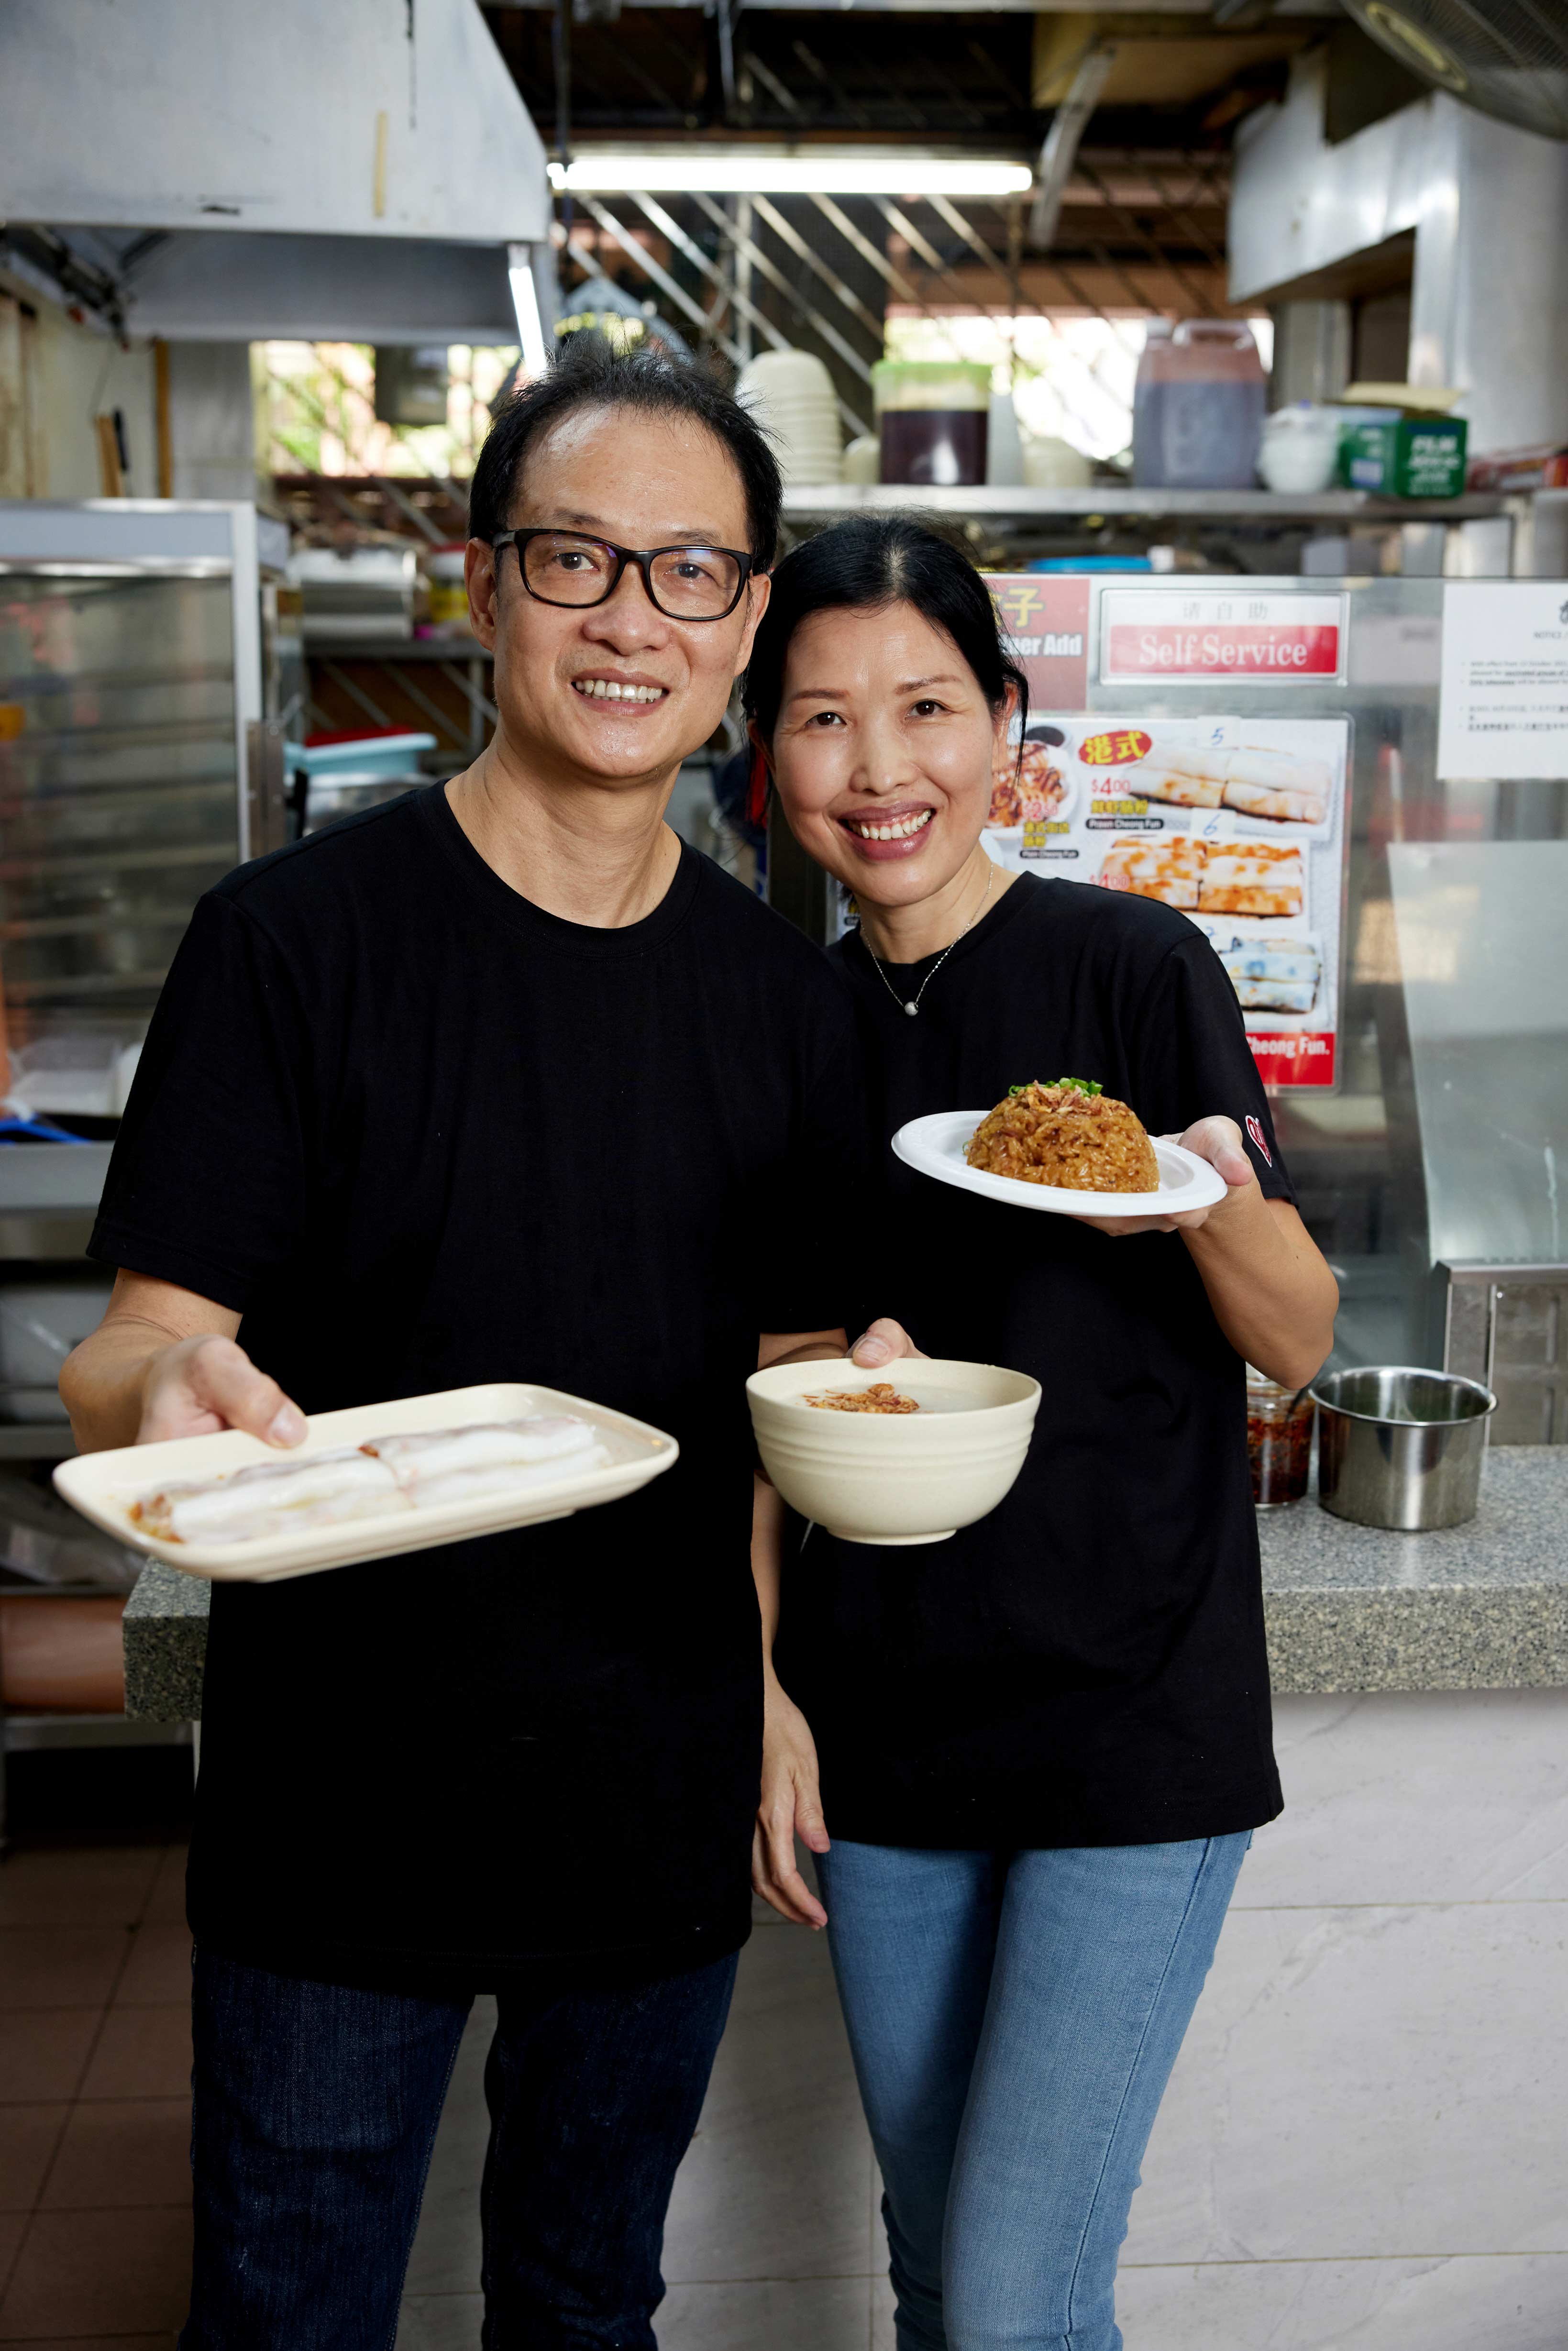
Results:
316 2109
1014 2020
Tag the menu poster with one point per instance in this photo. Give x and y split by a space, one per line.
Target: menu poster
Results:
1238 823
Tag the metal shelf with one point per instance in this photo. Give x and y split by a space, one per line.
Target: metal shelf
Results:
398 648
47 1177
987 504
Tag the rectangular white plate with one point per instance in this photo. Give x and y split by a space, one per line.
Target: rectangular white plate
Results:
934 1146
102 1486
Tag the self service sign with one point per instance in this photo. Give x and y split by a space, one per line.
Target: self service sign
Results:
1148 635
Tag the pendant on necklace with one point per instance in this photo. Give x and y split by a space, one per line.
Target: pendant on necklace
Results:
911 1009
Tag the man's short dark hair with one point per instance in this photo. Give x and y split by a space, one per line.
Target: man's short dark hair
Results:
589 374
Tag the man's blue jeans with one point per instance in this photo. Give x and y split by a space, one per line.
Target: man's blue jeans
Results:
1014 2020
316 2109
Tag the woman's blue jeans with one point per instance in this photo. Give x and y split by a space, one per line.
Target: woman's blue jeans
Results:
1014 2020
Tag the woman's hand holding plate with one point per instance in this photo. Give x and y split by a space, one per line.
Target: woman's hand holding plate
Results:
1219 1141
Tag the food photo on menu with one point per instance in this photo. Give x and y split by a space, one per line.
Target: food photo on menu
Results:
1237 822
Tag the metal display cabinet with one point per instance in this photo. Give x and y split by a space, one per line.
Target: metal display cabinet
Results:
142 679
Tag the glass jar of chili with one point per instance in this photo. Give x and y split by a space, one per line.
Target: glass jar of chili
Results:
1278 1440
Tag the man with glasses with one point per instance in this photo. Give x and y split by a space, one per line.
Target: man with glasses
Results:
499 1082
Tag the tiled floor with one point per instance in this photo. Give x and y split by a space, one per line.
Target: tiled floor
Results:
95 2055
1362 2148
774 2241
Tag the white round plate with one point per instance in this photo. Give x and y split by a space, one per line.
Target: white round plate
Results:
934 1146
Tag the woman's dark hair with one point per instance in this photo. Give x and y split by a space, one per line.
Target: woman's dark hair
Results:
873 562
589 374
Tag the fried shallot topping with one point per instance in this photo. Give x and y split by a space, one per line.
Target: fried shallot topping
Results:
882 1397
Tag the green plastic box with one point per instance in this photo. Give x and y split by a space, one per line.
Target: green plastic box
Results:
1405 457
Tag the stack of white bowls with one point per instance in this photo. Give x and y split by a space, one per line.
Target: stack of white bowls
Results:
791 393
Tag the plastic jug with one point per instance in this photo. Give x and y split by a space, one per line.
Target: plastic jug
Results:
1198 408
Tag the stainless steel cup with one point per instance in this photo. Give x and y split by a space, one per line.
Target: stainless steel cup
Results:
1399 1446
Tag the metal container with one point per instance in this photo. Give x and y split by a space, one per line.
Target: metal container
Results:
1399 1446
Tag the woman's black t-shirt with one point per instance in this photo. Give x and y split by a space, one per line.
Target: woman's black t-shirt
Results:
1086 1665
421 1134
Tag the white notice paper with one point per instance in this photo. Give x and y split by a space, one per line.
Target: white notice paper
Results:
1503 708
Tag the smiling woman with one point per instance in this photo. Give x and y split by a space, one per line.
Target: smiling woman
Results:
882 684
1042 1748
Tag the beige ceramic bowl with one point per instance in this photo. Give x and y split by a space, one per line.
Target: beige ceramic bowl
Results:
895 1478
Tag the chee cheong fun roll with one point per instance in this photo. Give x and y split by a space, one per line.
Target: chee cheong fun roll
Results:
1285 808
1168 870
1279 771
1211 763
271 1498
1175 786
1252 878
477 1484
1272 975
388 1474
414 1461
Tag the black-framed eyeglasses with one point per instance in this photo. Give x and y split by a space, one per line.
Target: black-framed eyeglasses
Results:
684 583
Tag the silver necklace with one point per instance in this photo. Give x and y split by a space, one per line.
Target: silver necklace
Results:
913 1006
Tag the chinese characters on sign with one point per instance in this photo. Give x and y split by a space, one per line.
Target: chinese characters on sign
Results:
1047 618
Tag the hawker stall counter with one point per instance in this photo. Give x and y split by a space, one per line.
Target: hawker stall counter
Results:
1483 1606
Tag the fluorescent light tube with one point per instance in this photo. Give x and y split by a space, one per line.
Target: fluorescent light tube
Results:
682 170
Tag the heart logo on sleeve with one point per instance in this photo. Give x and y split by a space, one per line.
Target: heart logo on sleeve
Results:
1254 1129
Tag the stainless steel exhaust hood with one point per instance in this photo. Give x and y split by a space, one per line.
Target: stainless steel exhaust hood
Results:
357 169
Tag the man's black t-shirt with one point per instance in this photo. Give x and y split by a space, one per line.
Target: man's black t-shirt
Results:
1086 1665
421 1135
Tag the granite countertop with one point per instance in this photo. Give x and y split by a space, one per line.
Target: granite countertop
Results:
166 1635
1481 1606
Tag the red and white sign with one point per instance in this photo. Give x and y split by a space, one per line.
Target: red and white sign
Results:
1306 1059
1046 616
1266 639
